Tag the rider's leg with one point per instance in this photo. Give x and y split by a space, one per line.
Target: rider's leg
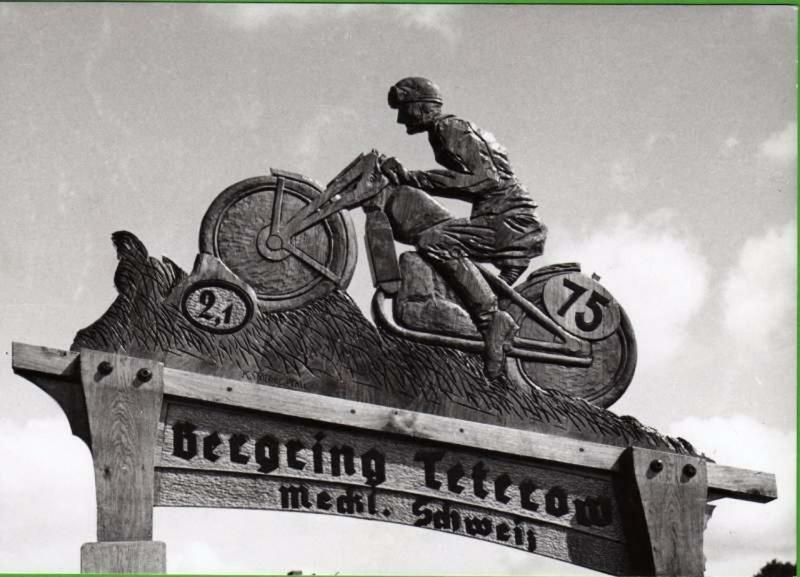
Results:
411 212
520 237
449 259
419 219
496 326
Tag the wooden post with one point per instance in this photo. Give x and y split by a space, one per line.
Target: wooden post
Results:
664 496
123 402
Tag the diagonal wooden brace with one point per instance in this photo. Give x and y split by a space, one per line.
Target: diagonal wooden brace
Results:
664 497
123 403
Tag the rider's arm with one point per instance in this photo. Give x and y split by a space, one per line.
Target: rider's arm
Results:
474 164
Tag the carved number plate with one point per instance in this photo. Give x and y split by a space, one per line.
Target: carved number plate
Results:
581 306
217 306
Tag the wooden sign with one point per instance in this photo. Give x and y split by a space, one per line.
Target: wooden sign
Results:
217 458
474 405
197 440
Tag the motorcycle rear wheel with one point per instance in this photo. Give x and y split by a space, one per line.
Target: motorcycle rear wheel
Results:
613 364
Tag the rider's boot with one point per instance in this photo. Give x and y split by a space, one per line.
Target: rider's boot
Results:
497 336
496 326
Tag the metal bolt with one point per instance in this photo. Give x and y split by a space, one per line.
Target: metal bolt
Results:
689 470
657 465
105 368
144 375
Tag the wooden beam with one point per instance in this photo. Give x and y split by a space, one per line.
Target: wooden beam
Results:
723 481
54 362
664 500
123 402
279 401
743 484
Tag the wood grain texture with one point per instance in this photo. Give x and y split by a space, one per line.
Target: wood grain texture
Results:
123 409
124 557
34 362
48 361
381 252
666 509
181 488
202 438
426 303
614 356
244 227
742 484
379 419
328 347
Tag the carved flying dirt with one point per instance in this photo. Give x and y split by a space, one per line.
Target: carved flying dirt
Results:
266 302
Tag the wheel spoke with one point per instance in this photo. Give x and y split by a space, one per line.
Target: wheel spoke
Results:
311 262
277 205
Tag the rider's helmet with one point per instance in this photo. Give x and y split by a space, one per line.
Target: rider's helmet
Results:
414 89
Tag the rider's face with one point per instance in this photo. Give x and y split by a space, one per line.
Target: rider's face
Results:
412 117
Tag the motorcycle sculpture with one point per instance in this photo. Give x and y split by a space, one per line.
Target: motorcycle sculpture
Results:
574 336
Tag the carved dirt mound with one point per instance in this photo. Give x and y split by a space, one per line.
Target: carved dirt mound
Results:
328 347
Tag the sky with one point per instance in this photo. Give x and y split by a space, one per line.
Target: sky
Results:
660 143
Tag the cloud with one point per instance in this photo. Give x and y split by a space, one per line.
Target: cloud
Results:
256 16
741 536
781 146
48 496
653 270
759 293
436 18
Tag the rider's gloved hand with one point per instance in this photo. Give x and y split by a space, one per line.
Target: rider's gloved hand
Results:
394 171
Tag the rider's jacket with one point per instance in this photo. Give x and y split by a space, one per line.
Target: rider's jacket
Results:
477 170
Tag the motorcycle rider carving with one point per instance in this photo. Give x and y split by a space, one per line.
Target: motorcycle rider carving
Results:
503 228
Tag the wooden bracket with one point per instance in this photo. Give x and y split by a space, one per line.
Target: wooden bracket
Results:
123 402
664 496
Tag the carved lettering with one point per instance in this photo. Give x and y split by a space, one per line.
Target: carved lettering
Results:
555 502
348 458
455 473
479 473
236 442
373 467
267 454
446 518
339 455
526 489
501 483
210 443
430 458
478 526
293 497
292 447
502 532
316 450
184 441
420 510
324 501
593 511
349 503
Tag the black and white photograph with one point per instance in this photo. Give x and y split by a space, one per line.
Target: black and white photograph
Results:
443 289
